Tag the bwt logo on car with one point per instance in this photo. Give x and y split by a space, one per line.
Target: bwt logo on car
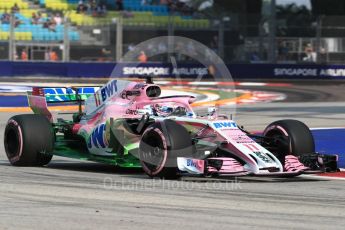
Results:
191 163
96 138
108 90
229 124
194 164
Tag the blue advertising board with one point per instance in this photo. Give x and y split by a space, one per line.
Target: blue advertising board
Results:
183 70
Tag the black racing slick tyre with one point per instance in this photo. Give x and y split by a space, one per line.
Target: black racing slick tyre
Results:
29 140
159 147
291 137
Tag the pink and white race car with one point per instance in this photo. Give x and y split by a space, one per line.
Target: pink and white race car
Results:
129 124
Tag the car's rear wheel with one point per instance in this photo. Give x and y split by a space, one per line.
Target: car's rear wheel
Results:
160 145
291 137
29 140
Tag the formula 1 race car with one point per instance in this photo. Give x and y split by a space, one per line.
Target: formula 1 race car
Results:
128 124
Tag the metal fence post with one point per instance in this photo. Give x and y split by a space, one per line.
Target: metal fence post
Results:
318 38
11 41
66 42
221 38
272 32
119 38
170 40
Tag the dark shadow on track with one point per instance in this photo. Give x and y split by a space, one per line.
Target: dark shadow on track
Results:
93 167
138 173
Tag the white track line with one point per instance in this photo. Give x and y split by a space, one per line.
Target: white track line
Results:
325 128
324 177
252 84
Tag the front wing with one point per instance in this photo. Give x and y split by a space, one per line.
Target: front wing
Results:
226 166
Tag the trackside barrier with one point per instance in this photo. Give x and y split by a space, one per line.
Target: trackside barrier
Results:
238 71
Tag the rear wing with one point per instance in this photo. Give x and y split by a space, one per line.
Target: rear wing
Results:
40 97
64 94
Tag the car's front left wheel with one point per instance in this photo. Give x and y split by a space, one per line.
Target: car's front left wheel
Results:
160 145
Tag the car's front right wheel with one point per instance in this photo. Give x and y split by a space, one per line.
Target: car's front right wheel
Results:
292 137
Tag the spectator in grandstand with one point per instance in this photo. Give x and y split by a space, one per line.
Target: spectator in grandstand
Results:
172 5
322 55
91 8
119 5
162 48
309 54
24 55
283 51
106 55
46 24
254 57
15 8
101 10
179 5
104 10
34 18
98 11
17 22
40 18
131 47
214 43
50 24
88 8
58 19
142 57
5 18
53 56
81 8
186 10
212 70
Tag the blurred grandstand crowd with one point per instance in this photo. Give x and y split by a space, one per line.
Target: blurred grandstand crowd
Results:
37 19
44 21
237 30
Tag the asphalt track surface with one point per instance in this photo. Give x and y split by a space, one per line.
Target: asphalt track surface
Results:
72 194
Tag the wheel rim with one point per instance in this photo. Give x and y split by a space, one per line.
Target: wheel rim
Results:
284 147
153 152
280 134
12 143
